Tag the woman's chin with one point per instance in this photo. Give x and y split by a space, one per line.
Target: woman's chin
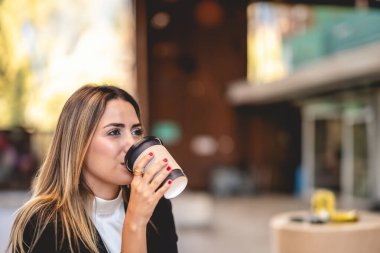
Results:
125 179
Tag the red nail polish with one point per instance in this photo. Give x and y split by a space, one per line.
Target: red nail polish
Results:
150 153
165 160
168 168
170 182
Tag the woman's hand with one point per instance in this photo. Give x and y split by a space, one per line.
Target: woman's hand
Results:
145 194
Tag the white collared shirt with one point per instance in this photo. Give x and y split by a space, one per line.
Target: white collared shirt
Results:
108 217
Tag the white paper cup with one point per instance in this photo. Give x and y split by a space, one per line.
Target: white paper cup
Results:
153 144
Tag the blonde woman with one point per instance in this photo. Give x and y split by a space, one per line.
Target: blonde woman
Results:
84 199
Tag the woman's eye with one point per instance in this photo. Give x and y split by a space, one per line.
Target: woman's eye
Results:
114 132
137 132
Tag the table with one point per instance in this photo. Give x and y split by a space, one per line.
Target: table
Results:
303 237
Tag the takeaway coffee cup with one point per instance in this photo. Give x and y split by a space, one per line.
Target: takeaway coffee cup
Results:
153 144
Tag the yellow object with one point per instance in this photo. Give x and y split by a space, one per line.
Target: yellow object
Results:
323 206
344 216
323 201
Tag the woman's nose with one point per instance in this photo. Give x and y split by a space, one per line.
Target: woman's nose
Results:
129 142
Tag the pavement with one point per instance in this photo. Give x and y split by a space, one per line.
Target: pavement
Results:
237 225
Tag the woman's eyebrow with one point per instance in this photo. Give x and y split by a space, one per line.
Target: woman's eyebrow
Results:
121 125
136 125
115 125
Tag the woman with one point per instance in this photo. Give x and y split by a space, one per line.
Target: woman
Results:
84 199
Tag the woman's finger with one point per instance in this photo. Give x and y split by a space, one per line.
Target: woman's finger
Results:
161 191
137 172
160 178
138 169
155 168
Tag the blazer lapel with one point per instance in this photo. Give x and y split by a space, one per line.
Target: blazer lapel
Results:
101 246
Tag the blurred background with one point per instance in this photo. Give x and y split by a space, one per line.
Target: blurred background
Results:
260 102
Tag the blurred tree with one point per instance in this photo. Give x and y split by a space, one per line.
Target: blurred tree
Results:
14 70
47 51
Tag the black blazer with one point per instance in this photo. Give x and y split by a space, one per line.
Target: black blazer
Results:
160 239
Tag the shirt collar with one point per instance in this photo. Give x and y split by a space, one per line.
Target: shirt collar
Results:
105 207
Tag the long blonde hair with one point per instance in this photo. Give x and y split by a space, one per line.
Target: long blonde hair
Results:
58 191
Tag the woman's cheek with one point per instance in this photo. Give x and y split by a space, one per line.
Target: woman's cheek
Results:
101 147
97 152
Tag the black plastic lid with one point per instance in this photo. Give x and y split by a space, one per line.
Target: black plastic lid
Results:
136 149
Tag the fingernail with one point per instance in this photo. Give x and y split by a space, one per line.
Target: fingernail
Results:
165 160
169 181
168 168
150 153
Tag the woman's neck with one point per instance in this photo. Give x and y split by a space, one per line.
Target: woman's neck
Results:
106 192
101 189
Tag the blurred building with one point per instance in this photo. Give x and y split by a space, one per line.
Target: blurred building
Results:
300 78
321 61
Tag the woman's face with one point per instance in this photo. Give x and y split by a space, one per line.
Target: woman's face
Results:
119 128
